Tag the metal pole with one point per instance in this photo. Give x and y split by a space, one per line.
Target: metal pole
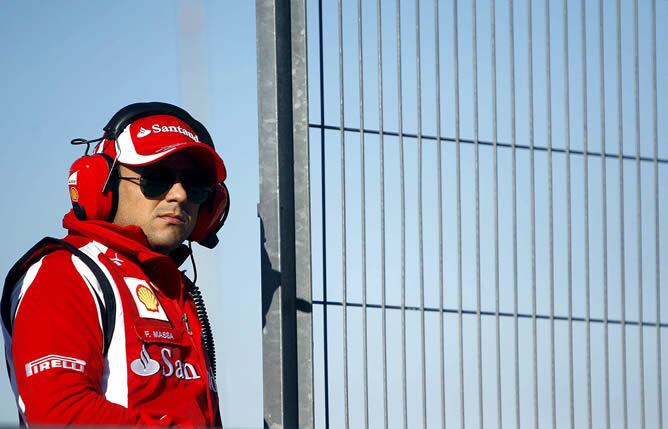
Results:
381 130
344 271
441 297
657 230
511 26
533 216
474 58
622 259
604 210
583 40
462 421
323 204
550 192
365 360
497 288
284 214
418 73
402 192
641 346
569 238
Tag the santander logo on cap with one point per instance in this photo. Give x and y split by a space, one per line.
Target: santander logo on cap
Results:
143 132
158 128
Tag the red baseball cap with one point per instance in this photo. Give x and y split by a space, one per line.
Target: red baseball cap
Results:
153 138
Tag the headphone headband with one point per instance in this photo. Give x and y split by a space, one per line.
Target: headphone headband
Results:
132 112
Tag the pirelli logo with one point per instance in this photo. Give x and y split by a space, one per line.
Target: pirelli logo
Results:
54 361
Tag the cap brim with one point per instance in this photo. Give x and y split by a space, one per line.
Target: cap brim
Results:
202 154
207 157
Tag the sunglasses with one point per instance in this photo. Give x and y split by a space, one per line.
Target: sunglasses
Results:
155 183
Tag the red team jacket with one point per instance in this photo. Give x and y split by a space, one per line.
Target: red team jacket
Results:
156 371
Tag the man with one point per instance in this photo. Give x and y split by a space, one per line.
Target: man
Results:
102 327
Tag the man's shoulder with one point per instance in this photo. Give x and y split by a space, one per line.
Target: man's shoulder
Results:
51 262
55 266
45 278
55 254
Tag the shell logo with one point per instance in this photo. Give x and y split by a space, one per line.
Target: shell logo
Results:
147 297
74 194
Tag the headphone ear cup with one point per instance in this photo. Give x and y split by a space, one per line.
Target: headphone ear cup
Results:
211 217
87 177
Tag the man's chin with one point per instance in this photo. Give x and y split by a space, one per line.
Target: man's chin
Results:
165 243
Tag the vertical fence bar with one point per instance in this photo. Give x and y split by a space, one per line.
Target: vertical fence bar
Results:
323 202
585 140
533 216
550 192
402 192
459 215
437 66
604 212
639 216
344 265
511 27
569 229
381 132
286 253
418 72
657 230
499 411
365 360
474 57
620 156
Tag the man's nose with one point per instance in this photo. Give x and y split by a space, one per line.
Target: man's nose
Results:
177 193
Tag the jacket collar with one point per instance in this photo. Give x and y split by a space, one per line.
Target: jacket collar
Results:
129 240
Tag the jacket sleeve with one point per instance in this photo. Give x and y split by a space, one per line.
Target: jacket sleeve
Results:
57 353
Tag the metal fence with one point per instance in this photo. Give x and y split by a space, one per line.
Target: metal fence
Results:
461 207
